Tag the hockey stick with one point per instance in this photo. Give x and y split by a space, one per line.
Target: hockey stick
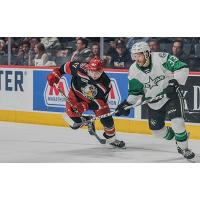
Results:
66 98
101 140
127 108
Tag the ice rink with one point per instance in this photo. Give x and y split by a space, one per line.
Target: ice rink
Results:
25 143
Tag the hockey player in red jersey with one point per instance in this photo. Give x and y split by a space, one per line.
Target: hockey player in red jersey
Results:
89 90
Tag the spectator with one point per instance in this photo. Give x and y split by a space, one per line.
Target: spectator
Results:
14 50
111 49
121 57
95 51
82 53
154 45
33 43
14 53
62 56
23 54
2 48
177 50
20 50
62 53
18 40
6 43
51 44
27 39
41 56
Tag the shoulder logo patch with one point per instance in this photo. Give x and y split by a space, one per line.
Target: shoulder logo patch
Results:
162 54
75 64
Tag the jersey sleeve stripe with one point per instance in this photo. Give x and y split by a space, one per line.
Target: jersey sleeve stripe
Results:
82 75
102 87
67 68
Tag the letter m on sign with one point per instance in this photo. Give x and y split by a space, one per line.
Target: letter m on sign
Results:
53 97
112 94
54 91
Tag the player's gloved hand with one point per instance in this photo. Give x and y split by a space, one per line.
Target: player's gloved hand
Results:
171 89
121 109
80 107
54 77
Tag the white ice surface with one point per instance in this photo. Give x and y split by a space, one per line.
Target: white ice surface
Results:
25 143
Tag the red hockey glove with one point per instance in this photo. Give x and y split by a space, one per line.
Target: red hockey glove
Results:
54 77
81 107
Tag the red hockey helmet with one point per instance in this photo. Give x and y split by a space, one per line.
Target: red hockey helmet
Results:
95 64
95 68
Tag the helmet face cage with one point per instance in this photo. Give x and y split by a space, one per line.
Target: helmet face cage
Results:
94 74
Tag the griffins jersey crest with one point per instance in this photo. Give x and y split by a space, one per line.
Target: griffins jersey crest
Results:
152 80
84 87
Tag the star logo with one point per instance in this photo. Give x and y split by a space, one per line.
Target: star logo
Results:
154 82
153 122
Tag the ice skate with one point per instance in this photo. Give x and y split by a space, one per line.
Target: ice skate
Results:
114 142
187 153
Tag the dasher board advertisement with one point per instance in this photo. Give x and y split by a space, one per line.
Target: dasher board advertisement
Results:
16 89
49 99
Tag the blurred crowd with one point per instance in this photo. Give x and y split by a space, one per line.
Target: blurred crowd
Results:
54 51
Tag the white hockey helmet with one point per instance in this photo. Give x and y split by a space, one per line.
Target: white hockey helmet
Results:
140 47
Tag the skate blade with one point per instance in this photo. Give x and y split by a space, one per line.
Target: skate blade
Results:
196 159
115 147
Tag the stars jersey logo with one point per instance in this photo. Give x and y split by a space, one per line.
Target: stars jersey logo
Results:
153 82
148 70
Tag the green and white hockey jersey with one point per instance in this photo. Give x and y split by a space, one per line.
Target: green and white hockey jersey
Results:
151 81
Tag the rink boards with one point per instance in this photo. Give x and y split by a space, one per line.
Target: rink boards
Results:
26 97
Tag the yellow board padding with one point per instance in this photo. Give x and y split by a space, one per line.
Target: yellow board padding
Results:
121 125
32 117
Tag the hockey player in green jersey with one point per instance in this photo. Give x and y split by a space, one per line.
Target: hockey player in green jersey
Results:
153 74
